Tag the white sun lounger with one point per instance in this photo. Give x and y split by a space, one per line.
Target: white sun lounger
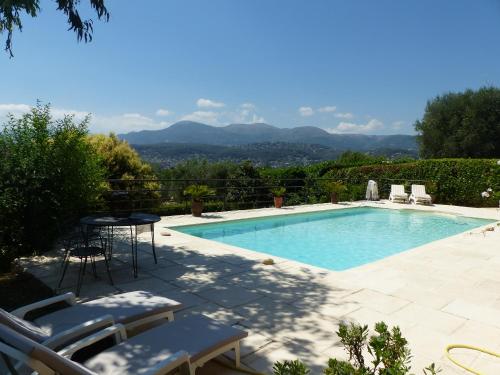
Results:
189 342
398 194
419 196
73 321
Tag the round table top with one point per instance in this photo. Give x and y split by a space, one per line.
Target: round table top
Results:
116 221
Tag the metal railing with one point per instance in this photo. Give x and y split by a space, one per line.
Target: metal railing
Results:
165 196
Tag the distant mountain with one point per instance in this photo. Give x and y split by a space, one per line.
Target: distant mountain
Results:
264 154
243 134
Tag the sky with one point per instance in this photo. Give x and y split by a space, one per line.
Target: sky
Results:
345 66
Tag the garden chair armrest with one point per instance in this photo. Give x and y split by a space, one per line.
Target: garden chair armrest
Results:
181 358
21 312
117 330
69 336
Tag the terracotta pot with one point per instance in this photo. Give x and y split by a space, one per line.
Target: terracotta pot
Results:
333 198
278 202
197 208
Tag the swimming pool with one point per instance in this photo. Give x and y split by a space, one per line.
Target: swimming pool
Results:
336 239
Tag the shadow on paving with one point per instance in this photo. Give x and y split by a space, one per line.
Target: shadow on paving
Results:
289 311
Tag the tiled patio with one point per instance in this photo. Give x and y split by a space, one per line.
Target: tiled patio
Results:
444 292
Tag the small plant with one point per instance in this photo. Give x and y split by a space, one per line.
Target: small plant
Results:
353 337
198 192
389 349
431 370
278 196
290 368
334 188
278 192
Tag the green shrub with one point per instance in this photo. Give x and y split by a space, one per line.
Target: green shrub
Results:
48 172
182 208
389 351
137 188
290 368
451 181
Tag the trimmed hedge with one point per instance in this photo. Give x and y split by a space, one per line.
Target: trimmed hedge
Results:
450 181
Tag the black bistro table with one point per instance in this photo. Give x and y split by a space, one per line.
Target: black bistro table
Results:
136 223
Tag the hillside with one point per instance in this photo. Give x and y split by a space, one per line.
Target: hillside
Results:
264 154
244 134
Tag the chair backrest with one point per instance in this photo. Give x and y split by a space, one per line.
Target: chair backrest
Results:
398 189
22 326
36 356
418 190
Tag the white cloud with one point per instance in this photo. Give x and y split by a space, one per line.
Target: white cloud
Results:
327 109
306 111
57 113
346 115
135 121
121 123
398 124
163 112
206 117
61 112
246 113
207 103
348 127
124 123
249 106
19 109
14 108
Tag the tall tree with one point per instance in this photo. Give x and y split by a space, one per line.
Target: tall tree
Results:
11 12
465 125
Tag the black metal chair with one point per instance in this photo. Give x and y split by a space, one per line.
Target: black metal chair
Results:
85 245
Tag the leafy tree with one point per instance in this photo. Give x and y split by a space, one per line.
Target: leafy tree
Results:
465 125
11 11
137 187
121 160
48 172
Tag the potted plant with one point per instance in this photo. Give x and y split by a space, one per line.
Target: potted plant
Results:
278 196
334 188
197 193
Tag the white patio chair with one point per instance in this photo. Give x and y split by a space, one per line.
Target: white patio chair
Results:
23 355
73 321
189 342
419 196
398 194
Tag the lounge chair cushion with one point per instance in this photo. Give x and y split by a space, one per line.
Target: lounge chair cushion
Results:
398 191
23 326
125 308
418 191
197 335
39 352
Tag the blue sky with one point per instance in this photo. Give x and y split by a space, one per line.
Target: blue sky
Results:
346 66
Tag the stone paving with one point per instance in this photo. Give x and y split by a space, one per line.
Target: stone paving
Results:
444 292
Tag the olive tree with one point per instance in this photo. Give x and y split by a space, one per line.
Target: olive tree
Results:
11 13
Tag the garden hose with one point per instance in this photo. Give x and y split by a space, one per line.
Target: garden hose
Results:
470 347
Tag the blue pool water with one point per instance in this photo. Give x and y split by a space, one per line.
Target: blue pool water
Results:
336 239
